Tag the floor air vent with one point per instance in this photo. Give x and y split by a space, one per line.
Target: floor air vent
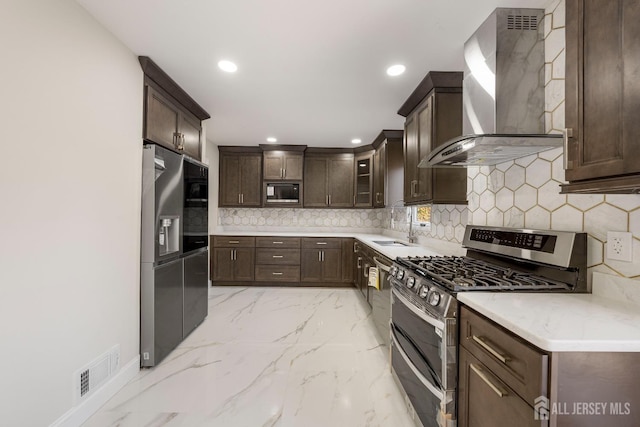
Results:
96 373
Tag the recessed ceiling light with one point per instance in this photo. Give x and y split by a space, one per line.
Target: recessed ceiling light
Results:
356 141
396 70
227 66
272 139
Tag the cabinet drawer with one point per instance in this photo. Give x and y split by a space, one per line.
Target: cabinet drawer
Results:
278 256
233 241
321 243
277 273
521 366
278 242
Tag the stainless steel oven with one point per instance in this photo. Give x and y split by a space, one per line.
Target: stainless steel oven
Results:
423 350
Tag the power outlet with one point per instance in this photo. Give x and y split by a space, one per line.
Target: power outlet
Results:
619 246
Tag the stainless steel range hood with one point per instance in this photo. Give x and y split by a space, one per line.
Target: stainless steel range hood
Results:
503 94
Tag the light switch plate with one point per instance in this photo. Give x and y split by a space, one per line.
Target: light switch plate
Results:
619 246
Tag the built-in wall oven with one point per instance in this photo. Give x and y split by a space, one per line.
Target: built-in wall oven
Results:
196 203
424 309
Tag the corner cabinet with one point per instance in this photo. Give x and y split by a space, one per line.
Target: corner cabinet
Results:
602 97
433 116
240 177
171 117
327 179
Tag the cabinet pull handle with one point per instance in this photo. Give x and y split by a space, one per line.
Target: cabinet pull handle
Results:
281 174
277 243
234 242
359 262
497 354
329 199
326 199
322 256
355 247
277 273
176 143
231 253
568 133
480 372
319 256
278 256
242 198
239 202
321 243
284 173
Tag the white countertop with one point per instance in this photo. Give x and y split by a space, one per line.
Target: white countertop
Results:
606 320
390 252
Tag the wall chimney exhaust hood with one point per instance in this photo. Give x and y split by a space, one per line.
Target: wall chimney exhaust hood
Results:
503 94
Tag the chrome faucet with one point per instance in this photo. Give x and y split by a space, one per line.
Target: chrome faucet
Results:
411 238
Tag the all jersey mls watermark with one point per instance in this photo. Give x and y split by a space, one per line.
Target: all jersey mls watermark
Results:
543 408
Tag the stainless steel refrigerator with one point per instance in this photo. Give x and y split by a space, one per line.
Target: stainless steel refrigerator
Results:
169 276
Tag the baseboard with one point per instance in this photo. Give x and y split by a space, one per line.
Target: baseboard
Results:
80 413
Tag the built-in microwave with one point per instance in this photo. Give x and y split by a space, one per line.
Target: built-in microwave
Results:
282 192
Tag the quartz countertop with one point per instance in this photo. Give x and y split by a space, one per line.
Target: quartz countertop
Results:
608 319
369 239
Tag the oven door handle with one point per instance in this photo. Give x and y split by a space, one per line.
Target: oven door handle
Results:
421 314
425 382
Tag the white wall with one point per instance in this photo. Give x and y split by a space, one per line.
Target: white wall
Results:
71 113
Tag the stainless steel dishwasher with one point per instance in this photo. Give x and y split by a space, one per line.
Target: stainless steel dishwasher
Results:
381 299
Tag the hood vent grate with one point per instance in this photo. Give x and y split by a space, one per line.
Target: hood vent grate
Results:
522 22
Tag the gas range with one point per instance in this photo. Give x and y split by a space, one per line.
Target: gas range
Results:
498 259
424 307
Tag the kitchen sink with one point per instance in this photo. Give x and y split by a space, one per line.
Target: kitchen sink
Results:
389 243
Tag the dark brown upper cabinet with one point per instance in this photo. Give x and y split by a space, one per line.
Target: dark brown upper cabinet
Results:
388 168
363 182
328 178
602 97
283 163
433 116
240 177
171 117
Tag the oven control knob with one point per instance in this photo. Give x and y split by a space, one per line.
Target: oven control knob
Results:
392 270
400 274
424 291
411 281
434 298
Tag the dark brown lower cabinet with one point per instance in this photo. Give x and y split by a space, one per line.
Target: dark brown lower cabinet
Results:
320 265
485 401
233 264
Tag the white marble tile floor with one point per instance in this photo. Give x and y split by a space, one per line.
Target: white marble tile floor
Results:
278 357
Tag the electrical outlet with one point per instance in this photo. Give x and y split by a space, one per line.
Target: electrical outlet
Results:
619 246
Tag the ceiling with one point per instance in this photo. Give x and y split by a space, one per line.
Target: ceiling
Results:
309 72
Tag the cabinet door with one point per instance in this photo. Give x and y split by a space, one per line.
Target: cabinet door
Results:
273 165
602 88
222 264
332 265
340 182
425 129
229 180
379 172
161 121
484 401
315 182
347 260
410 158
363 183
250 183
293 165
311 265
244 264
191 131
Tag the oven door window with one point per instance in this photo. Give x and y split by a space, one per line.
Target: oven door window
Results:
421 341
